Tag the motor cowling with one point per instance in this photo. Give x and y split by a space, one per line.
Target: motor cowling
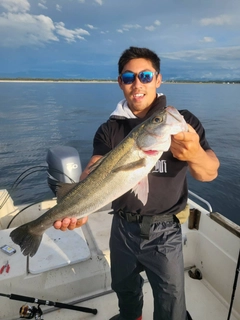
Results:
64 165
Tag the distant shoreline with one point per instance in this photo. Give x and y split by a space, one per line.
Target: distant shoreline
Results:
56 81
114 81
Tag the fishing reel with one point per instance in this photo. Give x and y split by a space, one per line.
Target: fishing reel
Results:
29 312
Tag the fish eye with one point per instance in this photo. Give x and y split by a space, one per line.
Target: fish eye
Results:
157 120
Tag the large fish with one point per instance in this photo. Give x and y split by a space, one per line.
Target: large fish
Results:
125 168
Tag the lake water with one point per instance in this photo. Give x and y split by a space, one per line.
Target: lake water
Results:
38 116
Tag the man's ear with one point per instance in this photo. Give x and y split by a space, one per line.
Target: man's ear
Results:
120 82
159 80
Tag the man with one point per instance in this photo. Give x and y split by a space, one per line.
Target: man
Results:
148 237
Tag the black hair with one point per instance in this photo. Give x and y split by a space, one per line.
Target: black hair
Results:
137 53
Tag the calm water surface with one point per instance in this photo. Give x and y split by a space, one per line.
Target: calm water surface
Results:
38 116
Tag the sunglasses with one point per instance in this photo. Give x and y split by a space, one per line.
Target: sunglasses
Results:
144 76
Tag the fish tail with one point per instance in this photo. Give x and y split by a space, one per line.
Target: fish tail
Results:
29 242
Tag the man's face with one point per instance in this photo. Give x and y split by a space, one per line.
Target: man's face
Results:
139 95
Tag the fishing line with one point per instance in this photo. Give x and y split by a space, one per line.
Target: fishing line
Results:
30 205
43 167
18 181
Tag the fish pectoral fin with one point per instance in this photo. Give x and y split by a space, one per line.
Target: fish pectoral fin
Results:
131 166
63 188
141 190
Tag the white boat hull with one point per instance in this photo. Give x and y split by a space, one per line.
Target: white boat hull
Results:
74 267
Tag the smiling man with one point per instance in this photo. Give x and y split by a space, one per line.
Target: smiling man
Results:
146 79
147 237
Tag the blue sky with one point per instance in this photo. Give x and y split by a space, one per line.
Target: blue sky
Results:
85 38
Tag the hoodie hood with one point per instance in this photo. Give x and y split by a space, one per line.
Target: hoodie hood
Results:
122 110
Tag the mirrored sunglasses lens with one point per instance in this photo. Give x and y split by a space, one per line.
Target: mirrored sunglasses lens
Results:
128 77
145 76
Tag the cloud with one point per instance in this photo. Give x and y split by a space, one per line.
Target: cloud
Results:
42 6
131 26
58 7
218 21
19 28
207 39
99 2
90 26
223 54
15 5
25 29
127 27
150 28
153 27
157 22
70 35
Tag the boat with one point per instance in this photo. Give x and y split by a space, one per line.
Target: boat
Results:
69 277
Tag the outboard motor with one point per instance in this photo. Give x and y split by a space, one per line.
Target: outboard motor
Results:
64 165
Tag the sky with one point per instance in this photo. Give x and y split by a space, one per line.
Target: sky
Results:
72 39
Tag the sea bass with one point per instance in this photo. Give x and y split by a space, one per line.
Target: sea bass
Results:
125 168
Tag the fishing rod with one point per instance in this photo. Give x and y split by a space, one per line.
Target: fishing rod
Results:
29 312
234 286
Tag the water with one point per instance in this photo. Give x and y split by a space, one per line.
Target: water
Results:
38 116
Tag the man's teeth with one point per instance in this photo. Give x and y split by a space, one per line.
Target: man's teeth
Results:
139 95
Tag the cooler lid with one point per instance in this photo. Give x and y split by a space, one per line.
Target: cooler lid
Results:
59 249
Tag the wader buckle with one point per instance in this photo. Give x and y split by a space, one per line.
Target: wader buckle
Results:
129 216
147 221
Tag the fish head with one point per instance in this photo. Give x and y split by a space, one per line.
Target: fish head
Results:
175 120
155 134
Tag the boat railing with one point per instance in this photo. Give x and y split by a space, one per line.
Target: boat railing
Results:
202 200
219 218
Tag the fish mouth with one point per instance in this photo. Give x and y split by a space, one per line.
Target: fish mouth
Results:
151 152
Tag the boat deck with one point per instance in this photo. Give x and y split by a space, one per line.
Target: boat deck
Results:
201 304
59 273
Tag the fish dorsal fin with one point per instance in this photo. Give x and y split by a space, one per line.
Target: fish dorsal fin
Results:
131 166
63 188
141 190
